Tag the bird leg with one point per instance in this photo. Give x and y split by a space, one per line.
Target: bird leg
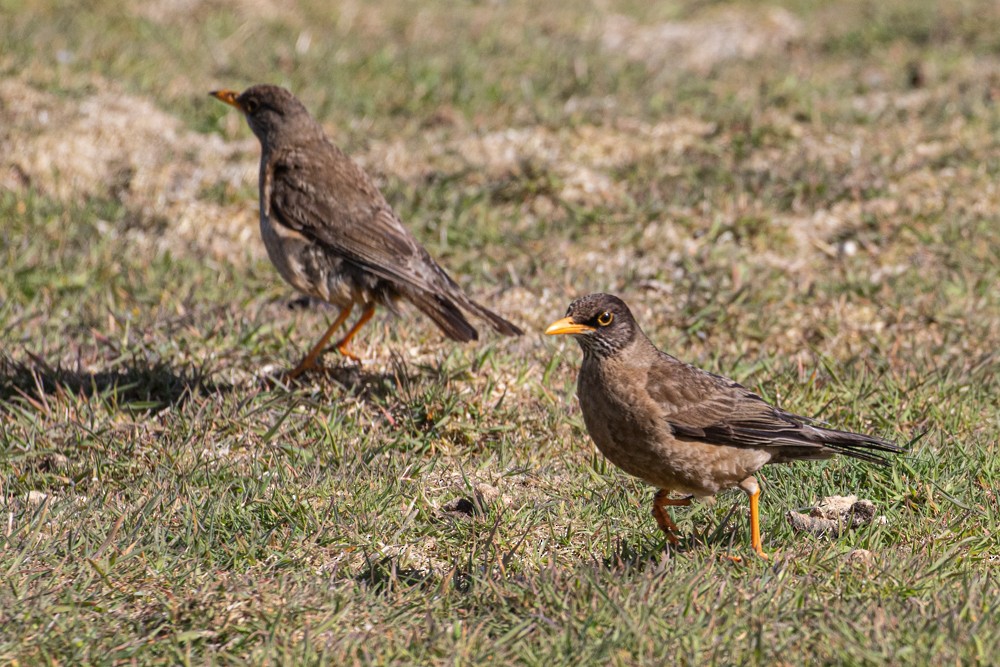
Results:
342 345
662 516
310 359
750 487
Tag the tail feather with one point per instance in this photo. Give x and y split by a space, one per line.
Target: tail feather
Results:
499 324
445 314
445 308
856 445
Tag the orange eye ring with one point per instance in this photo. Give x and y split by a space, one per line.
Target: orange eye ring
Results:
605 318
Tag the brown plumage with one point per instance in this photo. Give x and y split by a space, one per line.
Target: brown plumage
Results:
333 236
680 428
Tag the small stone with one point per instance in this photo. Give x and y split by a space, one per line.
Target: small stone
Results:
487 495
459 506
862 513
56 462
36 497
833 507
861 557
833 515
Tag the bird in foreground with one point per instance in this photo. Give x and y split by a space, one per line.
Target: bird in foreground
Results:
333 236
683 429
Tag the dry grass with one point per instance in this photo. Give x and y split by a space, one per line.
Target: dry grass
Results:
803 197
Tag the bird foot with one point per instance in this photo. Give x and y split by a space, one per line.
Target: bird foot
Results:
293 374
666 524
739 559
663 520
343 349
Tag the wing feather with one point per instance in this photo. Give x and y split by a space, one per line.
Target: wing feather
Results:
332 201
702 406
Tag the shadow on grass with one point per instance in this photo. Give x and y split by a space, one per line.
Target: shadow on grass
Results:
723 536
136 386
355 379
378 387
386 575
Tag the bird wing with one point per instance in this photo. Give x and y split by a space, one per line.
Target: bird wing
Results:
702 406
330 200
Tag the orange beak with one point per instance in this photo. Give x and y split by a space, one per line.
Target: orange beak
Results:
567 326
227 96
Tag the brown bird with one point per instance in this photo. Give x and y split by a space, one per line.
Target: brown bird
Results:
333 236
680 428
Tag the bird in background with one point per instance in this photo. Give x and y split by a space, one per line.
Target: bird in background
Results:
683 429
333 236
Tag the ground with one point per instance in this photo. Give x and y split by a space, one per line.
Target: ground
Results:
803 196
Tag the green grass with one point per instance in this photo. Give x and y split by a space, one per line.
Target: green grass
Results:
820 223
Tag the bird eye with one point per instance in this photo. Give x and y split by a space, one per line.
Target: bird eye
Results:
604 319
250 105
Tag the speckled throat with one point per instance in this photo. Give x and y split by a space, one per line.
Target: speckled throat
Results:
599 346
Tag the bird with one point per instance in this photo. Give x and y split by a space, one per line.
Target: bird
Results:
332 235
683 429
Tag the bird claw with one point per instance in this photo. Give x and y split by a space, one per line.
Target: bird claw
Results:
292 375
350 355
739 559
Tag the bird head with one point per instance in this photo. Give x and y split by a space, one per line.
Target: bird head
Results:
601 323
268 109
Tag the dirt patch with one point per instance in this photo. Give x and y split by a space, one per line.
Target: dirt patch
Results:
72 148
112 144
731 34
580 160
171 11
115 145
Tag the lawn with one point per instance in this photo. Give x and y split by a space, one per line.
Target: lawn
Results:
804 196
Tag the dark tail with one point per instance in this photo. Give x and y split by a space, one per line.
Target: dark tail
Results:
442 306
445 314
856 445
451 320
499 324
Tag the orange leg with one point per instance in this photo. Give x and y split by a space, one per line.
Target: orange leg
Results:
310 359
662 516
750 487
342 345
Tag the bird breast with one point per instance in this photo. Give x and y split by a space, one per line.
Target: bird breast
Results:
634 433
305 265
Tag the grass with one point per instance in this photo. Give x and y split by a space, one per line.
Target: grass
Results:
815 217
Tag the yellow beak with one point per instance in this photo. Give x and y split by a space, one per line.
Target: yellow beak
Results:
227 96
567 326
